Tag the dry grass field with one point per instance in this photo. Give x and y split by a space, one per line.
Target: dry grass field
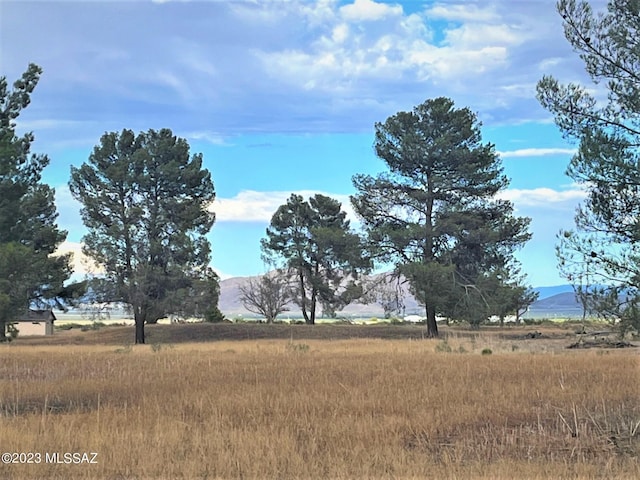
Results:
315 409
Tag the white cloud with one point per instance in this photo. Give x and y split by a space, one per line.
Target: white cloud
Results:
209 137
280 66
471 35
462 12
368 10
548 63
340 33
543 197
537 152
342 56
253 206
179 86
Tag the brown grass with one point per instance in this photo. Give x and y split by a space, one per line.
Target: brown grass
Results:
206 332
363 408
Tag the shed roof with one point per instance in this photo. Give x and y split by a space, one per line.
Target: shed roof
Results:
37 316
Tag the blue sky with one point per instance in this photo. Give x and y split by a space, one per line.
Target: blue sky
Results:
282 96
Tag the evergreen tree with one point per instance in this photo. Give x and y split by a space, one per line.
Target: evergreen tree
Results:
433 213
321 253
605 247
29 273
146 204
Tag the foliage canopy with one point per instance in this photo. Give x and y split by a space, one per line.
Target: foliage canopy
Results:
602 256
323 256
434 212
29 235
146 203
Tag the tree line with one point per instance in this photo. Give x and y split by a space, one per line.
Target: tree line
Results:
432 215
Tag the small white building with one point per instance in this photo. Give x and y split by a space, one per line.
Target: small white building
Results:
35 322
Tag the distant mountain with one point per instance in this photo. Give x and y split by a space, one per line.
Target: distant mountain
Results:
553 290
232 307
562 305
556 300
229 302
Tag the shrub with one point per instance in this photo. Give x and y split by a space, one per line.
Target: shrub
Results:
486 351
298 347
443 346
12 330
93 326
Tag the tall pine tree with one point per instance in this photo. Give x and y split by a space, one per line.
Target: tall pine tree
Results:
29 273
146 203
605 247
433 213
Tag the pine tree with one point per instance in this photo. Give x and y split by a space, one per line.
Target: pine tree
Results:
29 235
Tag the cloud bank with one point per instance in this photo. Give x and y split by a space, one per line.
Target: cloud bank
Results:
263 67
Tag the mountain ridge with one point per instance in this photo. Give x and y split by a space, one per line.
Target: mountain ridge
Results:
556 300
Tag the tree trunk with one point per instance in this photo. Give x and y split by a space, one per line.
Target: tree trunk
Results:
432 326
3 329
312 316
519 315
139 319
303 298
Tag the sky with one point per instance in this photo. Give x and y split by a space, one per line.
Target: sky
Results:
282 97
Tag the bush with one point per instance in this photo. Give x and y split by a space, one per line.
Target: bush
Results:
298 347
93 326
486 351
124 349
443 346
68 326
12 330
214 315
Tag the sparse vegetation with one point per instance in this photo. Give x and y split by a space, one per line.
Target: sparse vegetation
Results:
345 409
267 295
297 347
443 346
254 400
86 327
